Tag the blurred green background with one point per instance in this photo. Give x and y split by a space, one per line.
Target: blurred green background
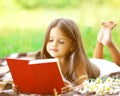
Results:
23 23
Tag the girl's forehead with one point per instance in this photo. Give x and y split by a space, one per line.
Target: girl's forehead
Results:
57 31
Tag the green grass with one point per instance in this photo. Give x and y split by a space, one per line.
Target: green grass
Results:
23 30
30 40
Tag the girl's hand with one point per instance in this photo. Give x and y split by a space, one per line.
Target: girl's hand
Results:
78 88
68 87
16 90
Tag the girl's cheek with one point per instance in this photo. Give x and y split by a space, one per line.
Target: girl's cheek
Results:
47 48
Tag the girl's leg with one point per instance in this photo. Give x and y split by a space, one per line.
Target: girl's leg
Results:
98 52
115 53
107 41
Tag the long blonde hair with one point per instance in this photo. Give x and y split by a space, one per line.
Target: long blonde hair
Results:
80 59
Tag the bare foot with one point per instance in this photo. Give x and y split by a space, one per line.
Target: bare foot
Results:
104 35
107 27
100 34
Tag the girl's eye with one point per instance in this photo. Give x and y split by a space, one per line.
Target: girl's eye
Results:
61 41
50 39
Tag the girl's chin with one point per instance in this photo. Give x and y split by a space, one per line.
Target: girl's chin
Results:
54 56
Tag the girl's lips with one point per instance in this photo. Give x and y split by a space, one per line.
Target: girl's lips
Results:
54 49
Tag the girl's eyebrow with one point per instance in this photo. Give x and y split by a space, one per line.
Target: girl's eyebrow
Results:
61 37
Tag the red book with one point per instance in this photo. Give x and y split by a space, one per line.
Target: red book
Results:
36 76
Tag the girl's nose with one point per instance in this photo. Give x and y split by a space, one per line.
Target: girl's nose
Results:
54 43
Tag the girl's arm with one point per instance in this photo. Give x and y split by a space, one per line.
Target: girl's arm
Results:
81 75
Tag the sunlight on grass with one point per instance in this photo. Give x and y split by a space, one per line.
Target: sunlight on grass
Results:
23 30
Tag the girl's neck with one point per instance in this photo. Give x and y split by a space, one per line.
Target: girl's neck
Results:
61 61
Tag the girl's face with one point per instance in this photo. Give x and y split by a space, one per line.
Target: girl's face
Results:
59 45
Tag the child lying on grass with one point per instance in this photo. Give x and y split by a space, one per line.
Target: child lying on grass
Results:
63 41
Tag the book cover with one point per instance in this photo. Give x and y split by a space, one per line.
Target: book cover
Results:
36 76
22 75
47 70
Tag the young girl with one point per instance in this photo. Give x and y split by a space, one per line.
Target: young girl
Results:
63 41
